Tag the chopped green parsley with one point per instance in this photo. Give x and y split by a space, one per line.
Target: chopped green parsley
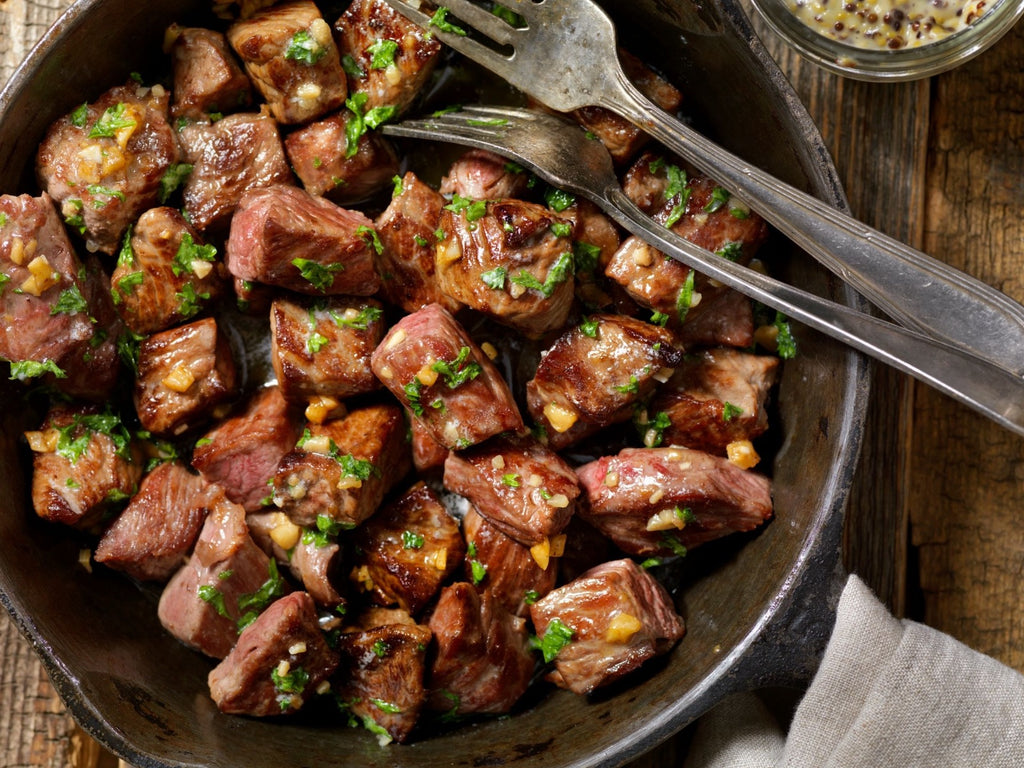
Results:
559 272
111 121
440 20
304 48
382 53
556 637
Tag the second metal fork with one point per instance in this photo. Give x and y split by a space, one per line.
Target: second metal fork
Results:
561 154
563 53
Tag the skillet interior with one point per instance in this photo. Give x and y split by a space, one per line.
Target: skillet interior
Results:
757 610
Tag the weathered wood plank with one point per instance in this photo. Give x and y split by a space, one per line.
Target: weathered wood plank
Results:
967 487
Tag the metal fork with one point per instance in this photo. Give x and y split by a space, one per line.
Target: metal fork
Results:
560 153
564 55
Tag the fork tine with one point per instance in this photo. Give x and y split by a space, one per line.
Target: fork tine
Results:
482 20
478 52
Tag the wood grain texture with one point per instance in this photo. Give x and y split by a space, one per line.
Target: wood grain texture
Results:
967 488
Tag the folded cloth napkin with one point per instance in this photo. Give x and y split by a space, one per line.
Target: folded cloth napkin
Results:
888 694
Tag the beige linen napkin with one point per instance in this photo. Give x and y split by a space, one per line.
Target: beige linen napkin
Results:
888 694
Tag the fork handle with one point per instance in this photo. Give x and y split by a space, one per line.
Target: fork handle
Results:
987 388
911 287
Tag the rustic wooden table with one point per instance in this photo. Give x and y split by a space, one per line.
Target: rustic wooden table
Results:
933 524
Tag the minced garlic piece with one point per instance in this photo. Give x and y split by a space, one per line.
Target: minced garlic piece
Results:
321 32
317 444
611 479
296 648
742 454
448 252
361 576
348 483
489 350
396 338
558 501
43 441
41 276
560 417
767 336
657 496
386 372
427 375
498 462
285 533
622 627
437 559
323 687
180 379
541 553
308 92
535 480
320 407
642 256
85 559
393 74
557 545
201 268
666 520
17 254
284 667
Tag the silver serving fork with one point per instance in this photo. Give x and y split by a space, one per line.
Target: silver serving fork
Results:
560 153
563 53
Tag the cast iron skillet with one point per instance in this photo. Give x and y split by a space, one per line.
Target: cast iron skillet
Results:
758 608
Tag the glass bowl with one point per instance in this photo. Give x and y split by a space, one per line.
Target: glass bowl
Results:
810 30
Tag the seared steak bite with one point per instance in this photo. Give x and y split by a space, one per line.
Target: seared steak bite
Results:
311 554
226 583
660 501
437 371
84 464
229 157
280 662
283 236
52 313
103 162
184 374
483 175
623 139
241 453
152 537
605 624
208 80
521 486
329 163
700 211
389 58
407 550
596 373
407 230
715 398
381 675
695 206
321 347
165 273
509 259
509 570
483 662
289 53
342 469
